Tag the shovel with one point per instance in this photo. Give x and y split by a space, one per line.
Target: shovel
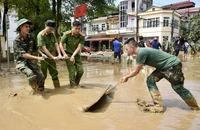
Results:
85 108
107 91
111 89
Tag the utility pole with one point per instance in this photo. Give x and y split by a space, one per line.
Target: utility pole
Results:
172 25
0 31
8 49
137 21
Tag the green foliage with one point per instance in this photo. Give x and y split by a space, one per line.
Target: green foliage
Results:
184 31
194 28
38 11
100 8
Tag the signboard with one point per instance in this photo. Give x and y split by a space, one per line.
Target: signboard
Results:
112 31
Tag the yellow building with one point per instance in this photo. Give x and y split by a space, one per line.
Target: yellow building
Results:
101 32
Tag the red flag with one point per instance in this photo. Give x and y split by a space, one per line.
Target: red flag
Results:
80 10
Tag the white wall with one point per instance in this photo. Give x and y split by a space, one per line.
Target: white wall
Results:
99 21
159 31
11 32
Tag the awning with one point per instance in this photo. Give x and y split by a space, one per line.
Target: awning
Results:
100 39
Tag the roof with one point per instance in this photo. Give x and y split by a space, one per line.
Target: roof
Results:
157 10
189 10
180 5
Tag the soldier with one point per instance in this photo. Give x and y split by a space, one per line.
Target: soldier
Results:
167 66
166 46
47 42
73 40
25 50
173 47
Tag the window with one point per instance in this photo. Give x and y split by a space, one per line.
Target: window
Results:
123 15
166 22
157 21
144 23
133 4
176 24
151 22
132 22
154 22
103 27
97 27
107 26
148 23
94 27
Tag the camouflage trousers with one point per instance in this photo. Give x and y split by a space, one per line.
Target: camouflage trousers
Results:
33 73
175 76
75 70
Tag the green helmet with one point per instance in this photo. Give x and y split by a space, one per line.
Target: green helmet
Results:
21 22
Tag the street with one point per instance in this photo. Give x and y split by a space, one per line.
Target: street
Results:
61 108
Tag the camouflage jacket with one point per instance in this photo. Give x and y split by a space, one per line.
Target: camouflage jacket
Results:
24 45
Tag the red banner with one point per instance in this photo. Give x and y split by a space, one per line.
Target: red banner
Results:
80 11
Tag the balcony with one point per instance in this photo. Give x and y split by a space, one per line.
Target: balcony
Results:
127 30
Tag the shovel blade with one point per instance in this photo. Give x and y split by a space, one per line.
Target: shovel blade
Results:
87 107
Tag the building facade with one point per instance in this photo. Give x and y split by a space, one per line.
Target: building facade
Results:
128 10
151 21
158 22
101 31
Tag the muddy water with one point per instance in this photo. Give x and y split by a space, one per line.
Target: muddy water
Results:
61 109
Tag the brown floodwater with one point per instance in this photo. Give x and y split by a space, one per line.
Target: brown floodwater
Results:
61 109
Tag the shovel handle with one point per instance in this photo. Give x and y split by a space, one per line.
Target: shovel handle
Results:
112 88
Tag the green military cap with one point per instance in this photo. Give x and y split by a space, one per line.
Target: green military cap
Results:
21 22
51 23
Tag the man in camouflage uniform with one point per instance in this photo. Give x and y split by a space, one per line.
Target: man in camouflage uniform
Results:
166 46
74 40
168 67
47 42
25 50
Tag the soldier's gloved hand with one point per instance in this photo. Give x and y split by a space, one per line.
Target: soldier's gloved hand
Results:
44 56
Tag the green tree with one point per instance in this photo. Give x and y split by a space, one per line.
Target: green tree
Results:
194 28
184 31
38 11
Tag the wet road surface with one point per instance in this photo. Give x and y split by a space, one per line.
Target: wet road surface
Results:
61 109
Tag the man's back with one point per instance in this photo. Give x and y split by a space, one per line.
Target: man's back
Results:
156 58
155 45
117 46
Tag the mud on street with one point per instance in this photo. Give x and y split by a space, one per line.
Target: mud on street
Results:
61 109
